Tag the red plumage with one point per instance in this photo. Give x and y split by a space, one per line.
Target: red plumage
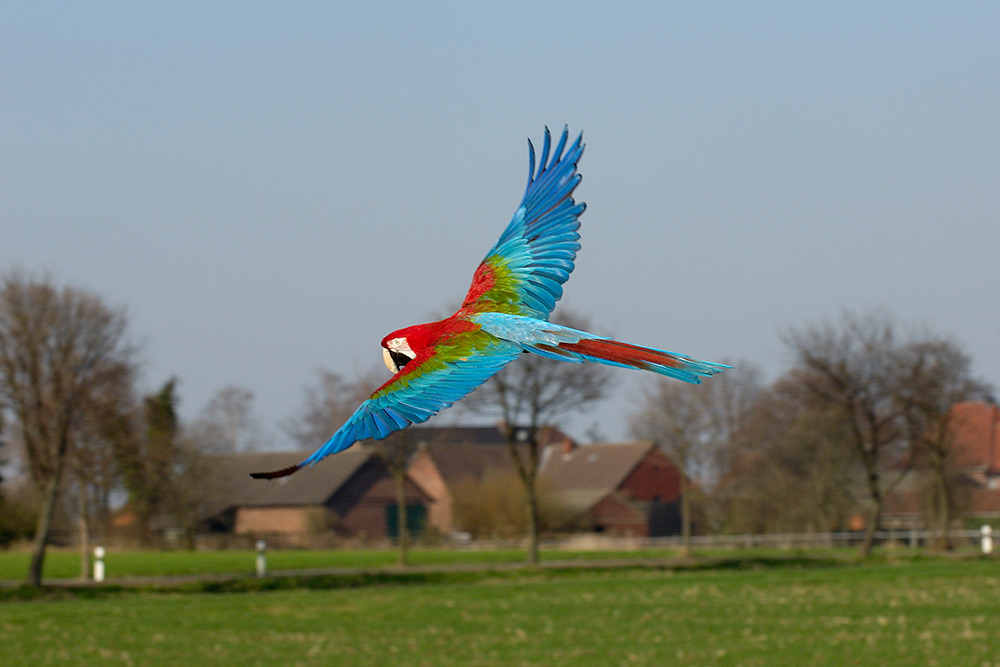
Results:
621 353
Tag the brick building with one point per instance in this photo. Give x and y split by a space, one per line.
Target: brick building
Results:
623 489
447 456
974 465
349 495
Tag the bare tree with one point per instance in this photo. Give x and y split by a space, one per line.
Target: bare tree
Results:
933 374
531 393
194 488
729 399
395 452
676 418
107 425
789 445
851 366
227 423
59 348
693 424
327 405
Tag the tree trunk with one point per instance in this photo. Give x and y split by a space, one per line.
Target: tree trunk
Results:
875 494
402 528
44 527
943 512
868 542
532 509
685 518
528 472
45 516
84 526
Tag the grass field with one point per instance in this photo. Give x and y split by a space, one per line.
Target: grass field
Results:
65 564
917 612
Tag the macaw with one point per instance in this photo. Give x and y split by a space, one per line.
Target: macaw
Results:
505 313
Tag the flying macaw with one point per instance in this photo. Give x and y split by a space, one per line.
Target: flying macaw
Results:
504 313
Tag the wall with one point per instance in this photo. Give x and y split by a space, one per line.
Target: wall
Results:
654 477
614 516
296 524
439 512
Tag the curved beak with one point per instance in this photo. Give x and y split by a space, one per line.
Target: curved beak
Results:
388 361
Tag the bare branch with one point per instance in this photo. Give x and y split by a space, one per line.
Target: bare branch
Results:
60 350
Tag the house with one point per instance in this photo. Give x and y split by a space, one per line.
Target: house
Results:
628 489
976 458
974 461
617 488
350 495
448 456
976 445
622 489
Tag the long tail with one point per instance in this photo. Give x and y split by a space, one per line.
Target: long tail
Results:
556 341
626 355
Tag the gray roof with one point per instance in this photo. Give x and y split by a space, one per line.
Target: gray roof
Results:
478 435
233 487
597 468
456 461
458 451
576 501
461 452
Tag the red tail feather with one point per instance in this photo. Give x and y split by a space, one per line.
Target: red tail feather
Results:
623 353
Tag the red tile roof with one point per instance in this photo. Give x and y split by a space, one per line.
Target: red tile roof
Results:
976 429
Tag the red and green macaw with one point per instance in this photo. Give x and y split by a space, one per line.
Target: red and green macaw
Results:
505 313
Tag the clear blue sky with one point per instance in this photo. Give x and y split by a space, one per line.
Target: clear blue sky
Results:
272 187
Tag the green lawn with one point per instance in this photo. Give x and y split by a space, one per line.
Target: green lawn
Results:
919 612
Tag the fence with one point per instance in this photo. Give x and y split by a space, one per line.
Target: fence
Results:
972 538
980 540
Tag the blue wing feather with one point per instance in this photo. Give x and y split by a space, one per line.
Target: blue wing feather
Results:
546 144
542 238
399 404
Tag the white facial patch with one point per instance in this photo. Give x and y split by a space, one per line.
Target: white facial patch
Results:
400 345
397 354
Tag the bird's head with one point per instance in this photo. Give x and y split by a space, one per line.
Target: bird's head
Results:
396 352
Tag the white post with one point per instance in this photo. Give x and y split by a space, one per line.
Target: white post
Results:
98 564
261 558
987 541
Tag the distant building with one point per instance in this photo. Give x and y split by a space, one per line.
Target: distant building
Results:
974 462
619 489
625 489
622 489
976 446
448 456
976 458
351 495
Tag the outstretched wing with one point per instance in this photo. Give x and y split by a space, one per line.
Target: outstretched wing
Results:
430 383
524 272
